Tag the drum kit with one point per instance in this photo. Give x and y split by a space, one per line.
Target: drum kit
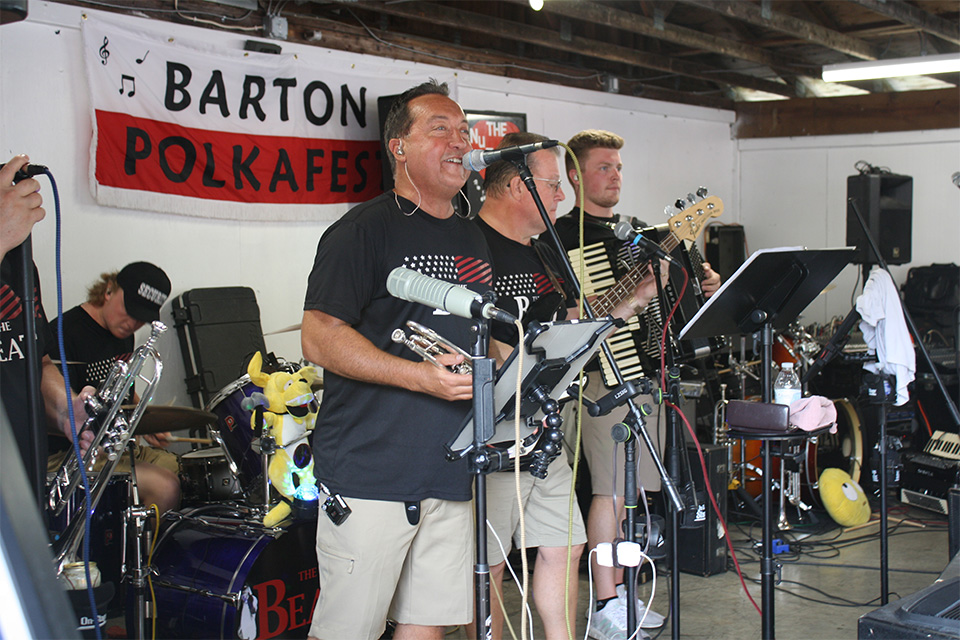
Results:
798 467
213 570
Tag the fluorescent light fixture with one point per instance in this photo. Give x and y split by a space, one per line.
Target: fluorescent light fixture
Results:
919 66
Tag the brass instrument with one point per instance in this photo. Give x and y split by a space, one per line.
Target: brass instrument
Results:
427 343
115 430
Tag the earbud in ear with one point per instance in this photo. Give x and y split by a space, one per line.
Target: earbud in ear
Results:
400 149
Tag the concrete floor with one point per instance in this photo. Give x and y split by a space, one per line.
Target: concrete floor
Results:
830 578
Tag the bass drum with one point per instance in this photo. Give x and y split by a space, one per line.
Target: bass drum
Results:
220 574
841 450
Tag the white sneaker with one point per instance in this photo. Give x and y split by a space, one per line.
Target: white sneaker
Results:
653 619
610 623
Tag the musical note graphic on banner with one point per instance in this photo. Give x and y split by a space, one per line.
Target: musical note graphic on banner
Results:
123 85
140 60
104 52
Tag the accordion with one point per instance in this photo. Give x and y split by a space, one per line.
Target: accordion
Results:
636 347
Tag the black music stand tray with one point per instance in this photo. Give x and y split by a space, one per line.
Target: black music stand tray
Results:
554 353
768 292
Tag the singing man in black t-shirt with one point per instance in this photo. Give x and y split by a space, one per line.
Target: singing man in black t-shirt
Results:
405 550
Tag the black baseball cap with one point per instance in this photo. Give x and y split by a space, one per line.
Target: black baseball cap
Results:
145 289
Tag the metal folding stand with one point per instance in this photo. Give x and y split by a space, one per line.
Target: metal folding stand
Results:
767 292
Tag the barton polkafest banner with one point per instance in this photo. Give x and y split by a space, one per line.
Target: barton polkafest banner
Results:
198 128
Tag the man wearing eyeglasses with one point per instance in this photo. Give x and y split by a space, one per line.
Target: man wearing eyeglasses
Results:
529 284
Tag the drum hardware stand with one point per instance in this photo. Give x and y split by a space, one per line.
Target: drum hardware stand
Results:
137 517
768 290
951 406
637 424
268 445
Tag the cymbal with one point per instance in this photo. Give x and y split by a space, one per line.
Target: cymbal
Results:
293 327
160 418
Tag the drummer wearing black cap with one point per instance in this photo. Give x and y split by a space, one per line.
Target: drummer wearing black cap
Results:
98 333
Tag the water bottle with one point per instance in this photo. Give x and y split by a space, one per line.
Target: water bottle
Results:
786 389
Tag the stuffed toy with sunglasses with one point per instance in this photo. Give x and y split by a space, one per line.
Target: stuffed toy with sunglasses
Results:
289 413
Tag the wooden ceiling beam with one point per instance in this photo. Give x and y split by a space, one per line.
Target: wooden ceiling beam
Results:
879 112
634 23
456 19
752 13
915 16
355 39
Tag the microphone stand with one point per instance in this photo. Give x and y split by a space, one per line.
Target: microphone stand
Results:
951 407
34 397
673 455
484 369
636 415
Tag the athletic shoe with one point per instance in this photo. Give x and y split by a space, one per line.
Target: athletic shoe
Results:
653 619
610 623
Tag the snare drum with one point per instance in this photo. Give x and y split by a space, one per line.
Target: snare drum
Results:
221 574
234 432
206 476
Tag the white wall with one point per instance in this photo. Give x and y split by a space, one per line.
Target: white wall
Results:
793 191
45 112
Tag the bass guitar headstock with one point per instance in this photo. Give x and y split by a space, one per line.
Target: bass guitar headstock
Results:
689 215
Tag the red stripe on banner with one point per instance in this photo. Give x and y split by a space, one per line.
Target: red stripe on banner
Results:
163 157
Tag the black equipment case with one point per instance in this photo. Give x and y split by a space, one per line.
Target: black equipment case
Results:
219 330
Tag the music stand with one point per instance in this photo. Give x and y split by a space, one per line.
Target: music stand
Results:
554 353
768 292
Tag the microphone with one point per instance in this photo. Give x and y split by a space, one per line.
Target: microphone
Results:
255 400
478 159
26 171
624 231
412 286
956 178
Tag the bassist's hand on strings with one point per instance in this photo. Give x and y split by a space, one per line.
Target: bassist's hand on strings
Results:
643 294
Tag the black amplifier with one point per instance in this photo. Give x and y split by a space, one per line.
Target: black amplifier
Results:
926 480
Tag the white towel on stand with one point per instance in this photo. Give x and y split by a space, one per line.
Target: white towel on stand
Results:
885 331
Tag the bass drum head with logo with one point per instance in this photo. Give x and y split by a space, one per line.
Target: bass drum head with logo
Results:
841 450
221 574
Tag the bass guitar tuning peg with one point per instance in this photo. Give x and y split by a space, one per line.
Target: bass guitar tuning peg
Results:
702 193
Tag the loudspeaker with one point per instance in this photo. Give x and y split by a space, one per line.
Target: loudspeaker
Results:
885 200
702 550
725 248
